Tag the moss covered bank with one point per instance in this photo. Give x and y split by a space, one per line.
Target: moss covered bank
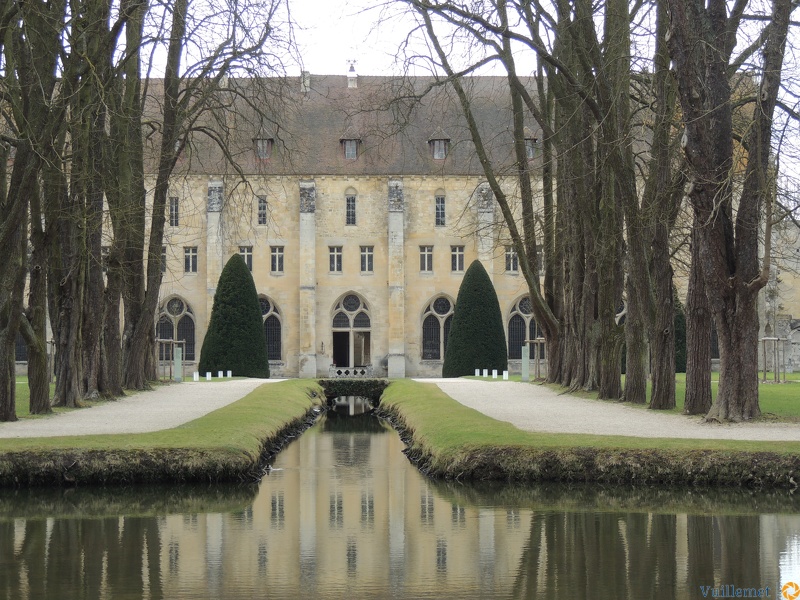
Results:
229 444
450 441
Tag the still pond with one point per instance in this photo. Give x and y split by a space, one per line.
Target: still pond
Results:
344 514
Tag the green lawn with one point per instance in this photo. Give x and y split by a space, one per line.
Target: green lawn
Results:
449 440
255 416
778 401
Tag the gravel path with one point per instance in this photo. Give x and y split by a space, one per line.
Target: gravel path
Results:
538 408
163 408
528 406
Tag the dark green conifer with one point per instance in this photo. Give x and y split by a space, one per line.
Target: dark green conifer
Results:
235 340
477 338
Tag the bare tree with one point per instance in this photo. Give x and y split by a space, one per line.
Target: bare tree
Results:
702 40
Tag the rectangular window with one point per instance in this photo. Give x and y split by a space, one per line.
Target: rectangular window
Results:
173 211
262 209
367 263
530 147
457 258
335 254
247 254
426 259
439 148
350 210
276 259
512 260
190 259
351 149
440 217
263 148
163 259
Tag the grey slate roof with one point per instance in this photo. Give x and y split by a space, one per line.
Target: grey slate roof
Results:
392 123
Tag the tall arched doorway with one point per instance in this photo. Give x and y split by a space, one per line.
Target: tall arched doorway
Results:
351 332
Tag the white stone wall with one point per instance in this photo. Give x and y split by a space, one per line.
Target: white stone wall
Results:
396 291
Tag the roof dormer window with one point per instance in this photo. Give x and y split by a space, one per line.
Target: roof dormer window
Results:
263 148
350 148
439 148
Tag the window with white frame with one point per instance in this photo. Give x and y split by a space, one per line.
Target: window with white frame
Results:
263 148
350 209
522 326
175 324
272 327
426 259
530 147
335 257
261 208
276 259
436 320
440 211
246 252
439 148
367 259
350 149
456 258
174 218
512 260
190 259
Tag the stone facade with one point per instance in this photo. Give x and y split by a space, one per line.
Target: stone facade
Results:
355 223
394 217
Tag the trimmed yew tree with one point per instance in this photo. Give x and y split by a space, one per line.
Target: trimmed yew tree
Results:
235 340
477 339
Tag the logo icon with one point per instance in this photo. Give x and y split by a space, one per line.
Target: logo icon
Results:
790 591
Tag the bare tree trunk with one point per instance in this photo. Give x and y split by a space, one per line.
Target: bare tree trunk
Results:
698 337
729 252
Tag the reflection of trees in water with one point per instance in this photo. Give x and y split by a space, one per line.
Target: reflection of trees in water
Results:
78 557
633 555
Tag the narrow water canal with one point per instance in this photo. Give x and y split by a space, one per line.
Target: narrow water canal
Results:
343 514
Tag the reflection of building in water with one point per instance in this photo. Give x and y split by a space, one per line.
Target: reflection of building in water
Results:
348 515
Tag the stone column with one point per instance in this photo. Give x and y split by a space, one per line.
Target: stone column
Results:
214 258
486 230
396 280
308 280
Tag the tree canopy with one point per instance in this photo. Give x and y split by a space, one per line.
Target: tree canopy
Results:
477 339
235 340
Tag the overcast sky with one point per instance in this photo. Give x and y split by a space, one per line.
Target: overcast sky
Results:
332 32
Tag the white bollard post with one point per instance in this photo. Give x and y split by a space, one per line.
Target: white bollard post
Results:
477 372
494 373
230 374
505 375
208 375
196 376
220 375
486 372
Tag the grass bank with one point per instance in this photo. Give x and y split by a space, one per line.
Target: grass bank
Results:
228 444
778 401
448 440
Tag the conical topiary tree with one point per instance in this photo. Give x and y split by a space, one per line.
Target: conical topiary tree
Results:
235 340
477 339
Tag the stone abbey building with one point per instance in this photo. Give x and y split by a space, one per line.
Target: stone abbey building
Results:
357 218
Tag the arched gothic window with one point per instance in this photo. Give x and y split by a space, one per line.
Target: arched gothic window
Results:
176 322
522 326
272 327
436 320
351 325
